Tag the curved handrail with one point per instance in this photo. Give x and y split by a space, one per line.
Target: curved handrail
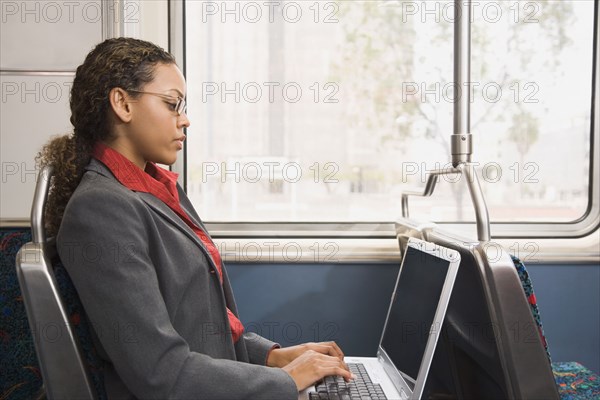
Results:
461 139
39 204
468 171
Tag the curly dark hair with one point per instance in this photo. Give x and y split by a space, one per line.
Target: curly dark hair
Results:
126 63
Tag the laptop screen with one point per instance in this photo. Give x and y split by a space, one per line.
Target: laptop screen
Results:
413 310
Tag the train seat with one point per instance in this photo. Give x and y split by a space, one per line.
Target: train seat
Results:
511 358
573 380
68 363
20 377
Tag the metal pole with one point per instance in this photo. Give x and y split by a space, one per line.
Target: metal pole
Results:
481 212
461 139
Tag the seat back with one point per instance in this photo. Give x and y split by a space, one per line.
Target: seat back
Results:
20 376
57 348
531 300
489 346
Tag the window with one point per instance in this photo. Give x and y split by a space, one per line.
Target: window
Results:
327 110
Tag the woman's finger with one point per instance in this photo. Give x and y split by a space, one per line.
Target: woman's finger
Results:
330 348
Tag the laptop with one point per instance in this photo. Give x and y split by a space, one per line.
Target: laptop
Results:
412 327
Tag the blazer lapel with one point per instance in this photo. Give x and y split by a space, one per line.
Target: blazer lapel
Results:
188 208
164 210
161 208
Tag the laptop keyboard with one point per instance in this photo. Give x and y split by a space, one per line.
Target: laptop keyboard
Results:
335 388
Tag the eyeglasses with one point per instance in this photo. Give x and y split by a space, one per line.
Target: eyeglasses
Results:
179 106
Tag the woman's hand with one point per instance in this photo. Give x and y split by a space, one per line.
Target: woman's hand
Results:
312 366
282 357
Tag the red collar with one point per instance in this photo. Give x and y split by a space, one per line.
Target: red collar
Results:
154 180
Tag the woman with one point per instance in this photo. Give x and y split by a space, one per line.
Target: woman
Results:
149 276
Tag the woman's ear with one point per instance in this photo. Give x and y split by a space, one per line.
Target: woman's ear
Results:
120 104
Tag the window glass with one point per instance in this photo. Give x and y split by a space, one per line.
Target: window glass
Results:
328 110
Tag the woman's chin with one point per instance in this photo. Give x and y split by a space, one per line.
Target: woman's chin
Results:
168 160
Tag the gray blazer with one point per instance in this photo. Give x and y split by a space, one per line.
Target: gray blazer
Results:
155 300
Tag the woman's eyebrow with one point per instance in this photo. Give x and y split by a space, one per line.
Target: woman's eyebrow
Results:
179 92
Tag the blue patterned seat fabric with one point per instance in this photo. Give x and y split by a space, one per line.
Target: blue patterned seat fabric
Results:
20 377
531 299
573 380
